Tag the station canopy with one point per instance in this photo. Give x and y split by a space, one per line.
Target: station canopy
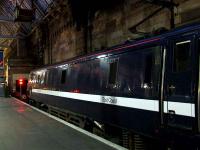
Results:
19 17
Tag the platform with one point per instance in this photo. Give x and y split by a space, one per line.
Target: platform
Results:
23 128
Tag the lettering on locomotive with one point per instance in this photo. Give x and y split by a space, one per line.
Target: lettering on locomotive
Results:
108 100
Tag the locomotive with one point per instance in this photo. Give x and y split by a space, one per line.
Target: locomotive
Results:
20 90
148 86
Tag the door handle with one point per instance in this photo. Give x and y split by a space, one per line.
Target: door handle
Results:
171 114
171 89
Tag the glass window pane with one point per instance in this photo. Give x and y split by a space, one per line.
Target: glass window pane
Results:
139 73
113 73
181 56
63 76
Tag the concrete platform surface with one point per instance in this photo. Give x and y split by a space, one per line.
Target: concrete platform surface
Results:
23 128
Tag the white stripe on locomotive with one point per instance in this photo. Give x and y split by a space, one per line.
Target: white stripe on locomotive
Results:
184 109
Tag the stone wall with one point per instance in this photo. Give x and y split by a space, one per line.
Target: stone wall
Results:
188 11
109 27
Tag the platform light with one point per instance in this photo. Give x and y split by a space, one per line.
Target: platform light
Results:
101 56
65 66
41 71
146 86
75 91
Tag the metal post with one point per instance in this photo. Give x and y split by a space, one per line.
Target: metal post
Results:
161 103
18 52
172 24
20 90
198 101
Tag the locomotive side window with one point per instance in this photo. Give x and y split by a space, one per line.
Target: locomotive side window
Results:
113 73
139 73
38 79
182 54
42 78
63 76
85 77
46 77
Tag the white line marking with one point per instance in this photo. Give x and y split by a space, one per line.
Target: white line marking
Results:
184 109
118 147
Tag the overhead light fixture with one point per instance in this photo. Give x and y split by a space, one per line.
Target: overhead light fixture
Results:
101 56
23 15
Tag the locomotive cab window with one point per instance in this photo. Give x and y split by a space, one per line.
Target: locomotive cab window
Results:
180 74
182 54
113 72
63 76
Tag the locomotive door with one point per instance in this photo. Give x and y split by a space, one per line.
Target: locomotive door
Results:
180 87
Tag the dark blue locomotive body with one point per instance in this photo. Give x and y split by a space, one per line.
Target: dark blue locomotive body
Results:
146 86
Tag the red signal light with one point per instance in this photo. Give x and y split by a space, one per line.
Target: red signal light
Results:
75 91
20 81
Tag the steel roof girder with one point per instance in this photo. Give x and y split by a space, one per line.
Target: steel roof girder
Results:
11 37
6 19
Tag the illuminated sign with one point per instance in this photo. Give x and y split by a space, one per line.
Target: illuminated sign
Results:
1 59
